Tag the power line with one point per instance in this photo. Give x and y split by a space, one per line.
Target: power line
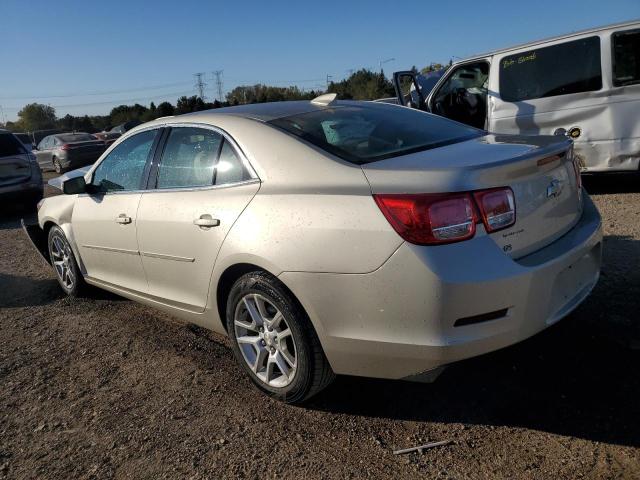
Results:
97 93
116 102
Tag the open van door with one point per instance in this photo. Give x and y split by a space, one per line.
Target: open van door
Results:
412 88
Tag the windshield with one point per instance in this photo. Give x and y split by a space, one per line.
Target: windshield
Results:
366 133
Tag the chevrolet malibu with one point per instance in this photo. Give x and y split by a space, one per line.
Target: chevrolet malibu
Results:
332 237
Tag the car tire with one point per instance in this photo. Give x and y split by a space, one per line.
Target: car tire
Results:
287 341
64 263
57 166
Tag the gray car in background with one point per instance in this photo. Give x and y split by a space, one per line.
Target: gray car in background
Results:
66 151
20 177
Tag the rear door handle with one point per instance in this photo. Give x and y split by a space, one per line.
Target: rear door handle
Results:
122 218
206 221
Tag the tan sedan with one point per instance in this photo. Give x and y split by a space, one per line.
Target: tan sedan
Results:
332 237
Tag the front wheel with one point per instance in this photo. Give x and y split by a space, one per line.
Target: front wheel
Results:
274 341
64 263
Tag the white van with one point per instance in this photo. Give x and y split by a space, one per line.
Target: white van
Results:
585 85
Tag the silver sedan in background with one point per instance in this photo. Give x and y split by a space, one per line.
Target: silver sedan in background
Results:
332 237
64 151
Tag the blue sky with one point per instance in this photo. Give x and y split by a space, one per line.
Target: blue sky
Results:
86 57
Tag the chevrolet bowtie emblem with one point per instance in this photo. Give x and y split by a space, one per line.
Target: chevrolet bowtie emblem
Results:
555 188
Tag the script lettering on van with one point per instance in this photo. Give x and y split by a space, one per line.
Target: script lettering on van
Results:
506 63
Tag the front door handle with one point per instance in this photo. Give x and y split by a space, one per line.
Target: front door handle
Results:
206 221
123 219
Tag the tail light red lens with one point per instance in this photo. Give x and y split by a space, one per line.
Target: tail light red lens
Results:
497 207
427 219
66 146
433 219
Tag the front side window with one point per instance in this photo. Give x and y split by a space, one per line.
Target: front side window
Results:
626 58
463 96
123 168
366 133
189 158
570 67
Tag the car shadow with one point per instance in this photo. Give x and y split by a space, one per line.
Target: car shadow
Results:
19 291
11 215
578 378
604 183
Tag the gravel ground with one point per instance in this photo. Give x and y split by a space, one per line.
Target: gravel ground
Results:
105 388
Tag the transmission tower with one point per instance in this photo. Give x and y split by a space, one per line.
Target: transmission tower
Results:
218 75
200 84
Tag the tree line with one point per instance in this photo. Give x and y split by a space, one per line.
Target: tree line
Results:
360 85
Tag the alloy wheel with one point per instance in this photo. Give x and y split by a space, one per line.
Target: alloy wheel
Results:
265 340
62 261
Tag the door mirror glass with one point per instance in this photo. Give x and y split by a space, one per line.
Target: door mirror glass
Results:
74 185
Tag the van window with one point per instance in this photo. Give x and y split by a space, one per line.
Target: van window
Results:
570 67
626 58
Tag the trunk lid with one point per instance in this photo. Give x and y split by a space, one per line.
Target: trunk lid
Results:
539 170
85 150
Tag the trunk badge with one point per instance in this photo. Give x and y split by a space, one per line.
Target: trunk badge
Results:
555 188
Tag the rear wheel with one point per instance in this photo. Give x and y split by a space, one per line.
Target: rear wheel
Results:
274 341
64 263
57 166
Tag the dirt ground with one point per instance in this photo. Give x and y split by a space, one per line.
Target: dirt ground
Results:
105 388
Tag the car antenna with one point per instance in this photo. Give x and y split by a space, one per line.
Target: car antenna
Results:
326 99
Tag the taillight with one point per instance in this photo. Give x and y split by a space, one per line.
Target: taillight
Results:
433 219
497 207
66 146
428 219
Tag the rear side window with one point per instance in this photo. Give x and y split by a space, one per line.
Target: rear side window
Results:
10 145
123 168
626 58
189 158
368 132
230 168
562 69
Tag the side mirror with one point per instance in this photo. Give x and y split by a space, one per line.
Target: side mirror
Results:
74 185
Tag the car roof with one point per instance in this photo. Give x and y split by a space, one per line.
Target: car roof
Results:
265 112
550 39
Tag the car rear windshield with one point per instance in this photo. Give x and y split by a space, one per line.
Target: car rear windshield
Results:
363 134
10 145
76 137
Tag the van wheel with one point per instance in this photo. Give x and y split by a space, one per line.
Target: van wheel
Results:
64 263
274 341
57 166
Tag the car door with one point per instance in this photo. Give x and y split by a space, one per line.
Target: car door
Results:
104 222
199 188
43 153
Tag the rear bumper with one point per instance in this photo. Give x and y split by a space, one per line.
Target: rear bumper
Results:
400 320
